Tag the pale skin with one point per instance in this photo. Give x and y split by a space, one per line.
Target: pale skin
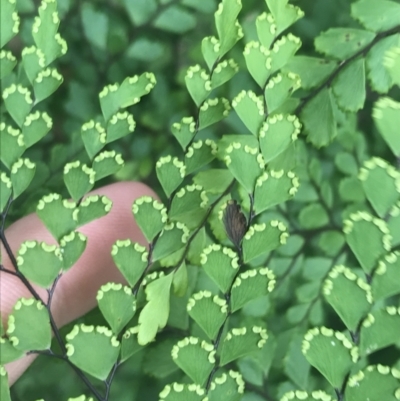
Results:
76 291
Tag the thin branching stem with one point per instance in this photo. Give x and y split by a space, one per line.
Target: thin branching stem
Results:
339 255
203 222
17 273
35 294
343 64
57 334
79 372
221 330
109 380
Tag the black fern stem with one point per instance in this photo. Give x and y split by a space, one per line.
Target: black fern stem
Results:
343 64
50 292
5 213
34 293
79 372
109 380
137 286
340 393
201 225
217 340
17 272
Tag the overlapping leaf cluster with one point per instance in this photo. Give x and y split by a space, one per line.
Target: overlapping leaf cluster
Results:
258 287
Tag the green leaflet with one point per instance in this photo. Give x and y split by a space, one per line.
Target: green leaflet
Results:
378 172
8 353
35 127
44 32
182 392
8 62
189 206
257 57
372 382
129 343
140 11
119 125
213 111
127 255
349 86
91 208
279 89
366 11
107 163
386 117
242 341
228 384
94 137
95 25
379 329
228 28
208 311
53 204
284 14
12 145
313 216
220 264
172 238
392 63
10 22
78 179
199 154
170 172
184 131
33 61
189 349
45 83
368 238
83 342
274 188
175 19
384 283
236 155
115 97
213 181
40 262
198 84
262 238
72 247
342 43
311 70
303 395
22 173
251 285
18 102
250 110
6 190
342 281
318 119
150 216
29 326
117 304
330 352
154 315
379 76
223 72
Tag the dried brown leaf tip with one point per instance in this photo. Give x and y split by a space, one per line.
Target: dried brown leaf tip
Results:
235 223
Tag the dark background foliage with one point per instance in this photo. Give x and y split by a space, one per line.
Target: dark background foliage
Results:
107 41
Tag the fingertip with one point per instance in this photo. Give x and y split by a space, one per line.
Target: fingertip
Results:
76 291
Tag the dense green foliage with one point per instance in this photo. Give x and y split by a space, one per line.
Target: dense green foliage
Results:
272 270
